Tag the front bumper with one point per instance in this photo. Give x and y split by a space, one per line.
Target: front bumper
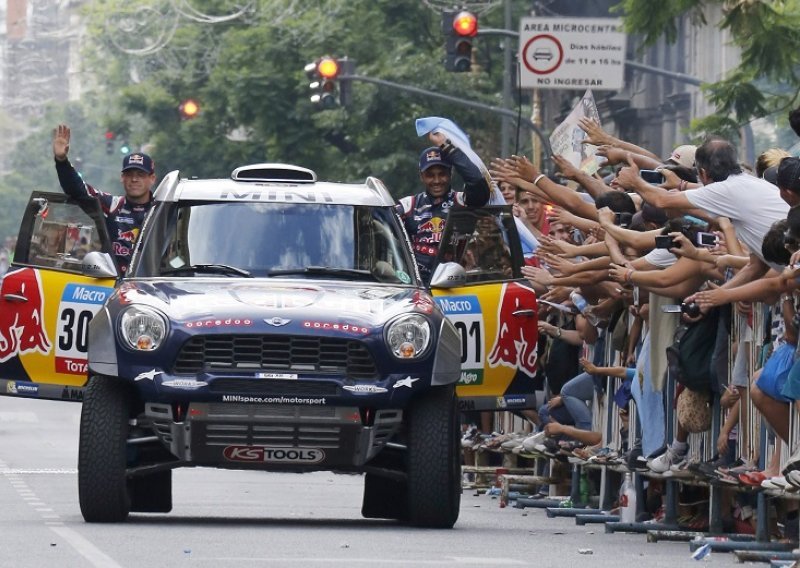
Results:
281 437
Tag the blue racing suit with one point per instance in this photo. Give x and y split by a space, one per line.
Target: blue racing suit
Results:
123 220
424 215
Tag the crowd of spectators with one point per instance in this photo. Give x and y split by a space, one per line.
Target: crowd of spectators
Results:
699 244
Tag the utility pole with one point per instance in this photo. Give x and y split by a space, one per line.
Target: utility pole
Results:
505 129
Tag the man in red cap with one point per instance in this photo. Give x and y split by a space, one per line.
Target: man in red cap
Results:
124 215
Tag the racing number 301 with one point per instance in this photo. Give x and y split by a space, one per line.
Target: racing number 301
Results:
470 350
75 330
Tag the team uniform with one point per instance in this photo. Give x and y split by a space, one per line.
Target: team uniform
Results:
123 219
424 215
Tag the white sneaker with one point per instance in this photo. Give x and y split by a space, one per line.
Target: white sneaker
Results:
666 460
529 444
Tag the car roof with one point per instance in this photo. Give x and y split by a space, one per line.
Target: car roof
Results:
280 183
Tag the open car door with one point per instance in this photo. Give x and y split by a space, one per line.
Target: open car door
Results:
48 298
479 286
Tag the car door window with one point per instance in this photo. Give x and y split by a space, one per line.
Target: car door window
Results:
58 232
484 242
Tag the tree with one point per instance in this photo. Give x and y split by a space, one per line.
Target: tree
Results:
766 80
248 75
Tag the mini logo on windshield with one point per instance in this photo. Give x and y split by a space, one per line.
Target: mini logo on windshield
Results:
277 321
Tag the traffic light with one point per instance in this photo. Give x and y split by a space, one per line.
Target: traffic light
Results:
124 148
323 73
109 136
189 109
459 28
347 68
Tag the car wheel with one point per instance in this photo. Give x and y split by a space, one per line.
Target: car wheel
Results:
434 465
102 484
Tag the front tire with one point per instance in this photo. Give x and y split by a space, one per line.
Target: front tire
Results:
434 465
102 460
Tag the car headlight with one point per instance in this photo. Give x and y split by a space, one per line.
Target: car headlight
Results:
408 336
143 328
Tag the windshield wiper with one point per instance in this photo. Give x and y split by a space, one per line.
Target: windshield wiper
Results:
210 268
324 271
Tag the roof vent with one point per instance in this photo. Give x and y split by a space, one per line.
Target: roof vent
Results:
280 173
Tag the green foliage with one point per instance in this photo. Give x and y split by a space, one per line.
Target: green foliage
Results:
247 76
654 19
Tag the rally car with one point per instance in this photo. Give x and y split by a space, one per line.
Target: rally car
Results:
268 321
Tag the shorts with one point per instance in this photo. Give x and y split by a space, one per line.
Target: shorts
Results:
791 389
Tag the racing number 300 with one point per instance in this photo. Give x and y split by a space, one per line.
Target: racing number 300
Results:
74 334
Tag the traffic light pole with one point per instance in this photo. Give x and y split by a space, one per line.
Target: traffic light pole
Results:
463 102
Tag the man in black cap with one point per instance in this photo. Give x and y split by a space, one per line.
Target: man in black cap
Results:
424 214
124 215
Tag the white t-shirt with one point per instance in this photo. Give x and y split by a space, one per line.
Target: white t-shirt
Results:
752 204
661 258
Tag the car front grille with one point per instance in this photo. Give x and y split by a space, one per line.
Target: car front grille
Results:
300 354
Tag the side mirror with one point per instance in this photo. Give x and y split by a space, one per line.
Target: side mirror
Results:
449 275
99 265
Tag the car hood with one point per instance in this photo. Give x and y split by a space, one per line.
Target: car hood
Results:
199 300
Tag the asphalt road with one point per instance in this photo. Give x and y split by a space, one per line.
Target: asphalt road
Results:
228 518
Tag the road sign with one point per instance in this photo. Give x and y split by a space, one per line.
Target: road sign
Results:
572 53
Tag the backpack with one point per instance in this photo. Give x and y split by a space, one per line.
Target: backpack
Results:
689 356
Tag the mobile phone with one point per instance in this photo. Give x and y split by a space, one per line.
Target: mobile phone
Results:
706 239
665 242
653 177
671 309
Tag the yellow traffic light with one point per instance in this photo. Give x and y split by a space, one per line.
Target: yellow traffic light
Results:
328 68
189 108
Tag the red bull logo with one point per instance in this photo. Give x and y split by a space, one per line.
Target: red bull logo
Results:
129 236
22 315
515 345
433 225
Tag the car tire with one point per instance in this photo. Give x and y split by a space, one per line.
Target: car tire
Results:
434 459
102 458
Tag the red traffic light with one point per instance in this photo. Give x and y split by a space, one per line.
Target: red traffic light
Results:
109 135
189 108
328 68
465 24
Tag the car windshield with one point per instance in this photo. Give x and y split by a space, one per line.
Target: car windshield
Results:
284 240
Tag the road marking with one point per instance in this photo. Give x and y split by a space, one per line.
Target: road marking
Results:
96 557
90 552
448 561
6 471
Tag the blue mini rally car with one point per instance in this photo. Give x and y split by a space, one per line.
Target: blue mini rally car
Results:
268 321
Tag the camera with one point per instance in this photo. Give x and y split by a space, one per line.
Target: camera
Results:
706 239
691 309
665 242
623 219
653 177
